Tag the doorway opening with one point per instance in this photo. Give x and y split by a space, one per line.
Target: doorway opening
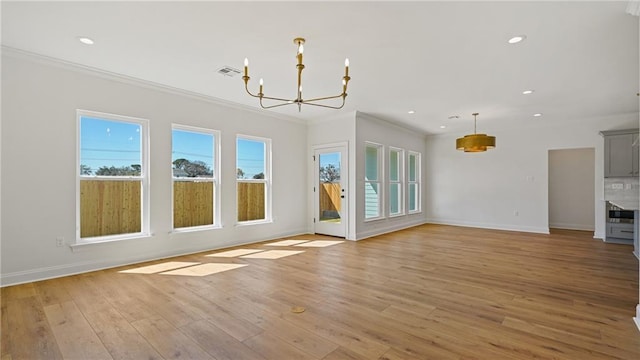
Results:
572 189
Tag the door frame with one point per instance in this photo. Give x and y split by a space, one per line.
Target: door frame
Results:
343 147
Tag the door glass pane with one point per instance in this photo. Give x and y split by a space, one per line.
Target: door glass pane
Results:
330 190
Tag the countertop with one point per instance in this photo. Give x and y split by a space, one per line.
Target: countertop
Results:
626 204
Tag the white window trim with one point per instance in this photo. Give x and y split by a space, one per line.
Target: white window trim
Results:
267 181
144 177
400 182
216 180
418 181
381 183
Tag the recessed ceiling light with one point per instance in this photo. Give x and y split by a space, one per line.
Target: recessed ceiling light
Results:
527 92
411 111
537 114
517 39
443 126
85 40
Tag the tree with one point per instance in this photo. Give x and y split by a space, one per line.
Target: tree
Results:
193 168
117 171
329 173
239 173
259 176
85 169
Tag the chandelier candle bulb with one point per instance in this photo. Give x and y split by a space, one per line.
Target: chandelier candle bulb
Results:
246 67
346 67
261 83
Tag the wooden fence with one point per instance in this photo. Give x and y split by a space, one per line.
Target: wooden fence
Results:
330 200
250 201
192 203
109 207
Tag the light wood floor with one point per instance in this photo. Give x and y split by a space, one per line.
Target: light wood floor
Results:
430 292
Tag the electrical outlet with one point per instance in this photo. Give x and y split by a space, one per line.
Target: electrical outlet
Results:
59 241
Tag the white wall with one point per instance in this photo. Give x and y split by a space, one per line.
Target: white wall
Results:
40 98
571 189
370 129
487 189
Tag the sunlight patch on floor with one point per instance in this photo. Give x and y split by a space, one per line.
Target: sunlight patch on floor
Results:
204 269
320 243
234 253
152 269
286 242
272 254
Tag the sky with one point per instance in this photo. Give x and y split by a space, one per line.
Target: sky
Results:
114 143
109 143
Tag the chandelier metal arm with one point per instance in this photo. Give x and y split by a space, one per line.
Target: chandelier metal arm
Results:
298 100
276 99
325 106
246 86
343 95
287 102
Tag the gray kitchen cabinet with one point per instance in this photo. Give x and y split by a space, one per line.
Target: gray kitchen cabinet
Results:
620 231
621 153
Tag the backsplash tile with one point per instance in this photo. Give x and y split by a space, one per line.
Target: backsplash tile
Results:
624 188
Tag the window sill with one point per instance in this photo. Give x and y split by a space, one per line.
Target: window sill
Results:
84 244
397 215
255 222
195 229
374 219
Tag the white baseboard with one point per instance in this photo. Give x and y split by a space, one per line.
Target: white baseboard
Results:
568 226
45 273
387 229
637 318
530 229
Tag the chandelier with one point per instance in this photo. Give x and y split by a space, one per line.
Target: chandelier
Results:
475 142
298 100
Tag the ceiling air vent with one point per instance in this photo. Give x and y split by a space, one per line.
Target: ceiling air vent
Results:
228 71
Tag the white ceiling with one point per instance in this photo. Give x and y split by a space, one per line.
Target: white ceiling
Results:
437 58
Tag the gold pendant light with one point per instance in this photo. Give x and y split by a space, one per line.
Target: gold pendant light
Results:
475 142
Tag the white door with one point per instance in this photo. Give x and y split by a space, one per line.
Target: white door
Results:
330 188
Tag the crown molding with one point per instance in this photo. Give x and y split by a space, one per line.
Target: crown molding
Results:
71 66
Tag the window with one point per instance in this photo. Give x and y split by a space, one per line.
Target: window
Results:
372 181
396 178
113 200
195 177
253 174
414 182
